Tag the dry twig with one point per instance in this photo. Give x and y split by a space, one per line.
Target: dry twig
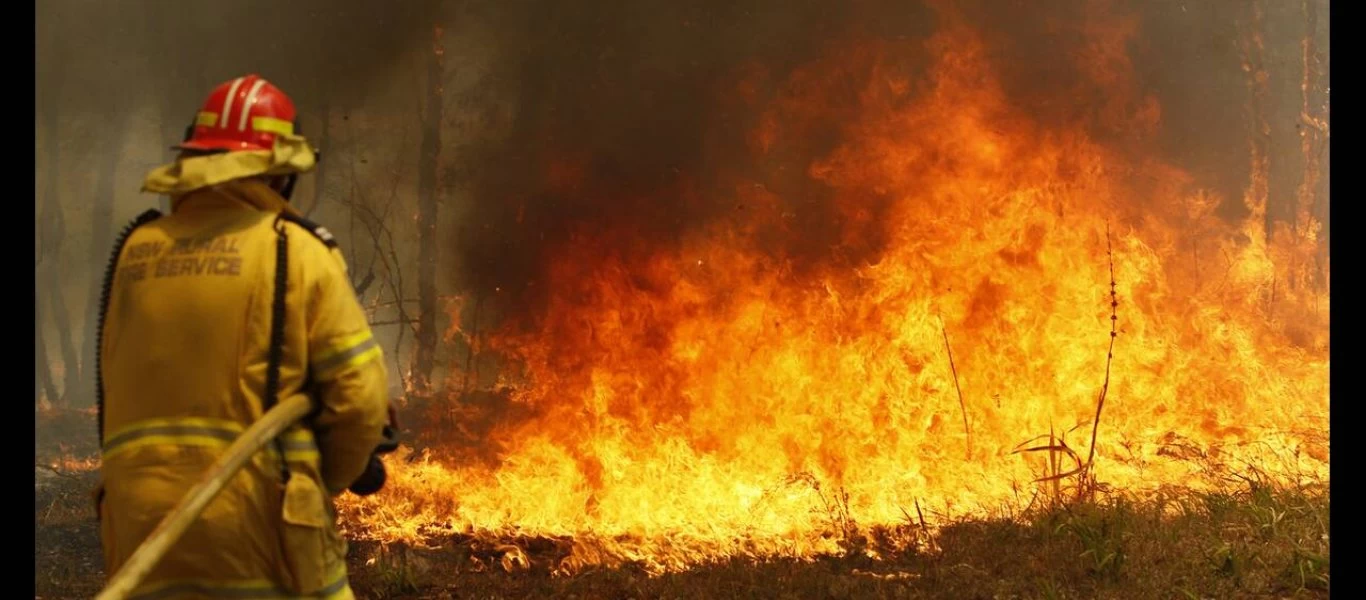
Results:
962 407
1109 354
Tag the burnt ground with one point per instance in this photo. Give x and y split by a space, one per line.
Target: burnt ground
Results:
1258 541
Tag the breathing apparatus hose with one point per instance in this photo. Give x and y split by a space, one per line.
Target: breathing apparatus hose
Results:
106 288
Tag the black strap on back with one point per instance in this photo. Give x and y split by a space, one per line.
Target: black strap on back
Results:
324 236
106 289
317 230
277 318
277 336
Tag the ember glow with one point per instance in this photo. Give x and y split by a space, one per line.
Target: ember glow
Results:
721 393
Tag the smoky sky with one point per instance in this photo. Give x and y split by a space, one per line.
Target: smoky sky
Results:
102 57
631 100
625 116
628 101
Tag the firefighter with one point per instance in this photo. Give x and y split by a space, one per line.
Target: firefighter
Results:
210 316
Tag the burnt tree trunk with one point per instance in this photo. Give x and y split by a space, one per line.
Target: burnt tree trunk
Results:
51 300
320 171
56 304
1259 80
101 240
49 280
175 104
47 237
427 216
1314 132
45 387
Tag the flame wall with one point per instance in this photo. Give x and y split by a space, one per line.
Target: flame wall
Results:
850 263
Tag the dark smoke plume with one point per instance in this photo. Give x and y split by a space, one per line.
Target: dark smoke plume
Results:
637 116
631 119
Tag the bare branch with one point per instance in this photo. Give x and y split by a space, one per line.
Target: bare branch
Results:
365 283
1109 354
962 407
392 322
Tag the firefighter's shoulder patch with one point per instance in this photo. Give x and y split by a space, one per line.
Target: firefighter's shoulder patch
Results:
317 230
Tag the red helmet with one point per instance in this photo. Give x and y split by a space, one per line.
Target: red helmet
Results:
246 113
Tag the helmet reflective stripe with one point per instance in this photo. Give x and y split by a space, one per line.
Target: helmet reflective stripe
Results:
248 103
272 125
227 102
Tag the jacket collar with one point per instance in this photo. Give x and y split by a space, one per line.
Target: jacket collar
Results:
250 192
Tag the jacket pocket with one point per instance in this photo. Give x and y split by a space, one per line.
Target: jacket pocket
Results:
305 533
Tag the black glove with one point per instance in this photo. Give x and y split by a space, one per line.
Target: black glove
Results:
372 480
389 442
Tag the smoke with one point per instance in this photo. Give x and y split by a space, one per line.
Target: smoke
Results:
625 118
101 57
634 122
633 113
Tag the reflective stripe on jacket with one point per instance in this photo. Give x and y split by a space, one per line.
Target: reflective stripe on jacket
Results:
183 356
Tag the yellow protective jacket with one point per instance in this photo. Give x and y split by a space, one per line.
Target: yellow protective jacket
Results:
183 363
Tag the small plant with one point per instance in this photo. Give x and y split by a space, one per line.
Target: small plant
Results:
1084 470
395 575
1061 487
1103 542
1049 590
1228 561
1307 571
851 539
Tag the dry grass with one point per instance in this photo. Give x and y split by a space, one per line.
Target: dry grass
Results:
66 553
1250 539
1256 541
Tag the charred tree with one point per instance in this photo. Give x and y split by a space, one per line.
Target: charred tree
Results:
53 226
101 239
46 387
189 74
425 352
1254 56
56 304
52 301
1314 132
320 142
47 93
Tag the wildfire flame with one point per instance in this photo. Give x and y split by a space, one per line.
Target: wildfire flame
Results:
710 395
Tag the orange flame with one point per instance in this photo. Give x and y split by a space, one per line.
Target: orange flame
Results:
711 396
